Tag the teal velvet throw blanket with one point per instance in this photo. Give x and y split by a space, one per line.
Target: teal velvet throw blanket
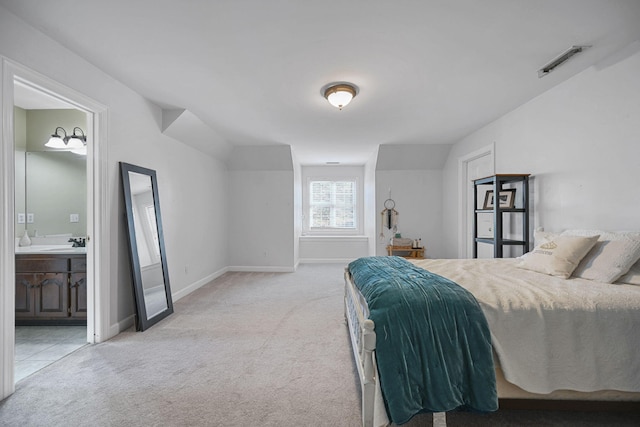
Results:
433 346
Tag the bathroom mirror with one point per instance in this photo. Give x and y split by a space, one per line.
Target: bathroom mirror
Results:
50 184
55 188
146 245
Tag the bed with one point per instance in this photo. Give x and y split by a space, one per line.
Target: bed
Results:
553 338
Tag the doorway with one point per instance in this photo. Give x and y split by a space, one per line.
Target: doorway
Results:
50 204
97 227
477 164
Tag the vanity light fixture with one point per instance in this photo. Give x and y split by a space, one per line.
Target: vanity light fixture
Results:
339 95
57 141
80 151
77 141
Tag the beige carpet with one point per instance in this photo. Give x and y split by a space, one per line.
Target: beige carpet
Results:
248 349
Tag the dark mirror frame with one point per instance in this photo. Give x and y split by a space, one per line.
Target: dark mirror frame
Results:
143 321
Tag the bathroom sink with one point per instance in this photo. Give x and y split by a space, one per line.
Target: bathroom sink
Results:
66 249
52 249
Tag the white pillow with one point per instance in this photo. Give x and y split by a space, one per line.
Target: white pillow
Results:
559 256
608 260
583 232
540 237
632 277
604 235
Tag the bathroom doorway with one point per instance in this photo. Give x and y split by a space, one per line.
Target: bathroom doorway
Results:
51 229
98 236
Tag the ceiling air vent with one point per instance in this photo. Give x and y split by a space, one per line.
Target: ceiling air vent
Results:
561 59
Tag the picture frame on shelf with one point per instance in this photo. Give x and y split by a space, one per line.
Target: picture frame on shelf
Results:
507 199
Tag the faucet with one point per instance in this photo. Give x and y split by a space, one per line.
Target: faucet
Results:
78 243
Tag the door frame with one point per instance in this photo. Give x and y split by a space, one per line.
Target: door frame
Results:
98 245
463 182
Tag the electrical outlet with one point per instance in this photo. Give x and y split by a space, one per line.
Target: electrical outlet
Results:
74 218
30 218
21 218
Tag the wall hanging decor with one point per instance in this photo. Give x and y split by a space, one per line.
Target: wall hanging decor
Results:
389 217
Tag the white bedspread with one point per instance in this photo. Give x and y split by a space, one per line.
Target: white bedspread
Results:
554 334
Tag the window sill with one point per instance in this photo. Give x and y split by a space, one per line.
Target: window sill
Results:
334 238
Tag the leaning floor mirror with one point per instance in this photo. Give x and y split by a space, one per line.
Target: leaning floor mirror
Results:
149 271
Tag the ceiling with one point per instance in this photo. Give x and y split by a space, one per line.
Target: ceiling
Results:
427 71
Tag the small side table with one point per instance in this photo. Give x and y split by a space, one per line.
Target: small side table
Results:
405 251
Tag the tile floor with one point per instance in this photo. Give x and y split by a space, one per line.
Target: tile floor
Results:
39 346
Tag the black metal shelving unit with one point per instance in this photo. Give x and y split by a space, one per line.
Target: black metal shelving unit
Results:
521 207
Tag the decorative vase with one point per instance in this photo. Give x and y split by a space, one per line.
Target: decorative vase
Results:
25 240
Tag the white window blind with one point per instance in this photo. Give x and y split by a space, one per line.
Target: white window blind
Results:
332 205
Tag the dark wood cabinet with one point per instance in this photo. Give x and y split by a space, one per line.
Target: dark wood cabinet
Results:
509 214
51 289
41 295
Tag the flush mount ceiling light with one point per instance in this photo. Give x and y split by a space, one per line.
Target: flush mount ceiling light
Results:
561 59
339 95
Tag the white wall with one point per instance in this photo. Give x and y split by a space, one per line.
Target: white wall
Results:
259 214
20 141
297 211
411 175
195 242
581 143
370 203
418 195
335 249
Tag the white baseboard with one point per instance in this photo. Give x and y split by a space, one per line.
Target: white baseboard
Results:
326 260
262 269
196 285
121 326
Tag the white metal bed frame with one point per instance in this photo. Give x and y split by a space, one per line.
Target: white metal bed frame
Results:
363 343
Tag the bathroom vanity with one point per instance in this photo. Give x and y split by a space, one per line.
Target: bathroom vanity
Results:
51 286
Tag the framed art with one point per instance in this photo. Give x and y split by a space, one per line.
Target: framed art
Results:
507 199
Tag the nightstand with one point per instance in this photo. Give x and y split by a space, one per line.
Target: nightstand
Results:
405 251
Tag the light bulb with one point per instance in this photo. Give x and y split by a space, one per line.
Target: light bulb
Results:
340 99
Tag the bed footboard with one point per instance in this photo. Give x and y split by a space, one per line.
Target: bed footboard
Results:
363 343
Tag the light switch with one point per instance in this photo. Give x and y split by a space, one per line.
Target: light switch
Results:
74 218
30 218
21 218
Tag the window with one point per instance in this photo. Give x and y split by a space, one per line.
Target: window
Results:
332 205
332 200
